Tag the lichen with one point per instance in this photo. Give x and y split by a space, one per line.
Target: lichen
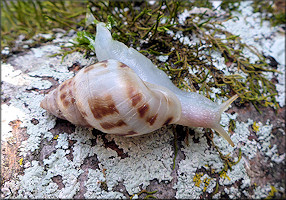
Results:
153 162
207 166
93 185
197 155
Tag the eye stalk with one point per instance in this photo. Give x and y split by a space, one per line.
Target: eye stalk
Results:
218 128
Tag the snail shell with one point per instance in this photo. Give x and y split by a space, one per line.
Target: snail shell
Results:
110 97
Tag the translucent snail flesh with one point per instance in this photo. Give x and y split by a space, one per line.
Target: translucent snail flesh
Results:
127 94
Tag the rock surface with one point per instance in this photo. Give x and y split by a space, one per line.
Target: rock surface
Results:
45 157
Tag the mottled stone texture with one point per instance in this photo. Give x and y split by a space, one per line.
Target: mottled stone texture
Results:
46 157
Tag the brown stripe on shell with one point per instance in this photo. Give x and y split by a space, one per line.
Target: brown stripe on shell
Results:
168 121
70 81
142 110
104 61
73 100
101 107
134 96
58 111
83 114
122 65
66 103
63 96
71 96
64 99
129 133
68 100
88 68
109 125
64 84
151 120
136 99
50 103
102 64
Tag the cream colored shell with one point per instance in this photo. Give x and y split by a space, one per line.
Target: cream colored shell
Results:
110 97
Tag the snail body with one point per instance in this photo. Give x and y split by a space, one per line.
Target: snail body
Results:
106 95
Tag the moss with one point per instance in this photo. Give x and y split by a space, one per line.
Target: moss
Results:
139 24
205 4
231 125
230 5
152 23
103 186
224 175
32 17
273 11
148 194
133 22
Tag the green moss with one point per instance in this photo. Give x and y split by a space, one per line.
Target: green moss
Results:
273 11
103 186
135 21
33 16
146 24
227 159
148 195
230 5
200 3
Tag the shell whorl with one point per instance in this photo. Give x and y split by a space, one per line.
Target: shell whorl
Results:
110 97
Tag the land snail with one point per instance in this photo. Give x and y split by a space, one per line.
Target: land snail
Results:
126 94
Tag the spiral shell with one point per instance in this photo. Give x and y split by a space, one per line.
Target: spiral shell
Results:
110 97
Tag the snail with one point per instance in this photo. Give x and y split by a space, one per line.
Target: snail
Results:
126 94
110 97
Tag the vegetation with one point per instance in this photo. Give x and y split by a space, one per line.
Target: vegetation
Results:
31 17
274 11
151 28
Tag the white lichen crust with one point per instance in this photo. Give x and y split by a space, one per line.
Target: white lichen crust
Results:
81 162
